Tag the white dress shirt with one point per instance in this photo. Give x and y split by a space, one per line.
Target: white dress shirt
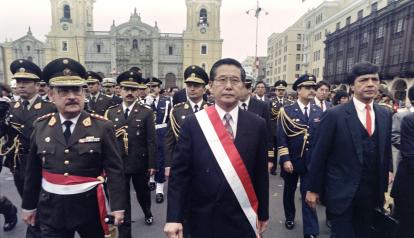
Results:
318 103
31 101
124 107
247 101
260 98
234 113
361 111
73 120
302 107
192 104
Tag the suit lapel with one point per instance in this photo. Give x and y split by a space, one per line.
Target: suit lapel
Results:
353 123
80 129
381 126
57 130
242 126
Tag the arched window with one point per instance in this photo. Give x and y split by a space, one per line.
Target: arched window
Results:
135 44
203 16
28 47
66 11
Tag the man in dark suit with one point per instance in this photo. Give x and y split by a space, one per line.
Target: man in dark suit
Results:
260 91
198 188
403 188
352 162
135 131
261 109
98 102
295 129
69 153
277 103
322 95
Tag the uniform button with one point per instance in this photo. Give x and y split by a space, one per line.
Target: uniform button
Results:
66 174
44 152
307 142
66 162
66 151
91 151
22 126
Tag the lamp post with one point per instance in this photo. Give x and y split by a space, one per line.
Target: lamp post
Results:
257 13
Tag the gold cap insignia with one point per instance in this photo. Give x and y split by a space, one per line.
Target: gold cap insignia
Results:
52 121
38 105
193 67
87 122
130 79
17 105
131 73
22 70
67 72
90 77
47 139
186 106
193 75
20 61
65 61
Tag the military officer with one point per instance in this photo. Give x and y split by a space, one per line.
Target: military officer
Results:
296 125
195 79
43 90
70 152
135 132
277 103
109 88
23 112
161 106
97 102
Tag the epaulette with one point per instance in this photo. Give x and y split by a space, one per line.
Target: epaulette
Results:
179 104
99 117
144 105
113 106
403 109
49 115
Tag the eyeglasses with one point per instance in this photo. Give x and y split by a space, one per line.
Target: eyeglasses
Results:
224 80
65 91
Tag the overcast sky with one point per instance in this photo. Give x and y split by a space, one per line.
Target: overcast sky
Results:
237 28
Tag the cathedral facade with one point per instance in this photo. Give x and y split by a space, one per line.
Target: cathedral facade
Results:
133 43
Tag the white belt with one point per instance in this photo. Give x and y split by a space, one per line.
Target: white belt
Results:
68 189
159 126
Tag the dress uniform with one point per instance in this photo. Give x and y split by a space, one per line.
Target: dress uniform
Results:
276 104
110 82
193 74
161 106
135 132
69 158
99 102
296 125
19 125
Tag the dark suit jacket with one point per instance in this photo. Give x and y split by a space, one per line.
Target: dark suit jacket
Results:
49 151
262 109
102 103
198 189
142 146
337 159
403 187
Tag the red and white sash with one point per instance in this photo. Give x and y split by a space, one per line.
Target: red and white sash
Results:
72 184
230 162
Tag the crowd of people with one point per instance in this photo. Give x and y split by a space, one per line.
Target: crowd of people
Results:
75 140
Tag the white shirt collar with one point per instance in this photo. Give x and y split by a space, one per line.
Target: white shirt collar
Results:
192 104
280 100
73 120
31 101
302 106
96 95
360 106
318 102
124 107
247 101
234 113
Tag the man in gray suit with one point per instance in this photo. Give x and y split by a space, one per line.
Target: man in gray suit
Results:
396 121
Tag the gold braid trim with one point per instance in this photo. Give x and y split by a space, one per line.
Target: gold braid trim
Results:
292 128
15 147
174 124
122 131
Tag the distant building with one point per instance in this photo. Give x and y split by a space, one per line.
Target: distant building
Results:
384 37
133 43
285 54
254 70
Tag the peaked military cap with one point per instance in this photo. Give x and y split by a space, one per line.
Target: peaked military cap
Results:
195 74
304 80
154 81
249 81
131 79
108 82
280 84
92 77
25 69
64 72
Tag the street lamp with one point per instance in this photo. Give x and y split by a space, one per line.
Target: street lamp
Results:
257 13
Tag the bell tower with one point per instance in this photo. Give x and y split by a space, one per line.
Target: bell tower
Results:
202 43
71 19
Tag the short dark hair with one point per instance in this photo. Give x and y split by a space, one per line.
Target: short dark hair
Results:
361 68
338 95
260 82
228 61
322 83
411 93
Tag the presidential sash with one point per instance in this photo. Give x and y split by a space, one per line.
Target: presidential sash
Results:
229 161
